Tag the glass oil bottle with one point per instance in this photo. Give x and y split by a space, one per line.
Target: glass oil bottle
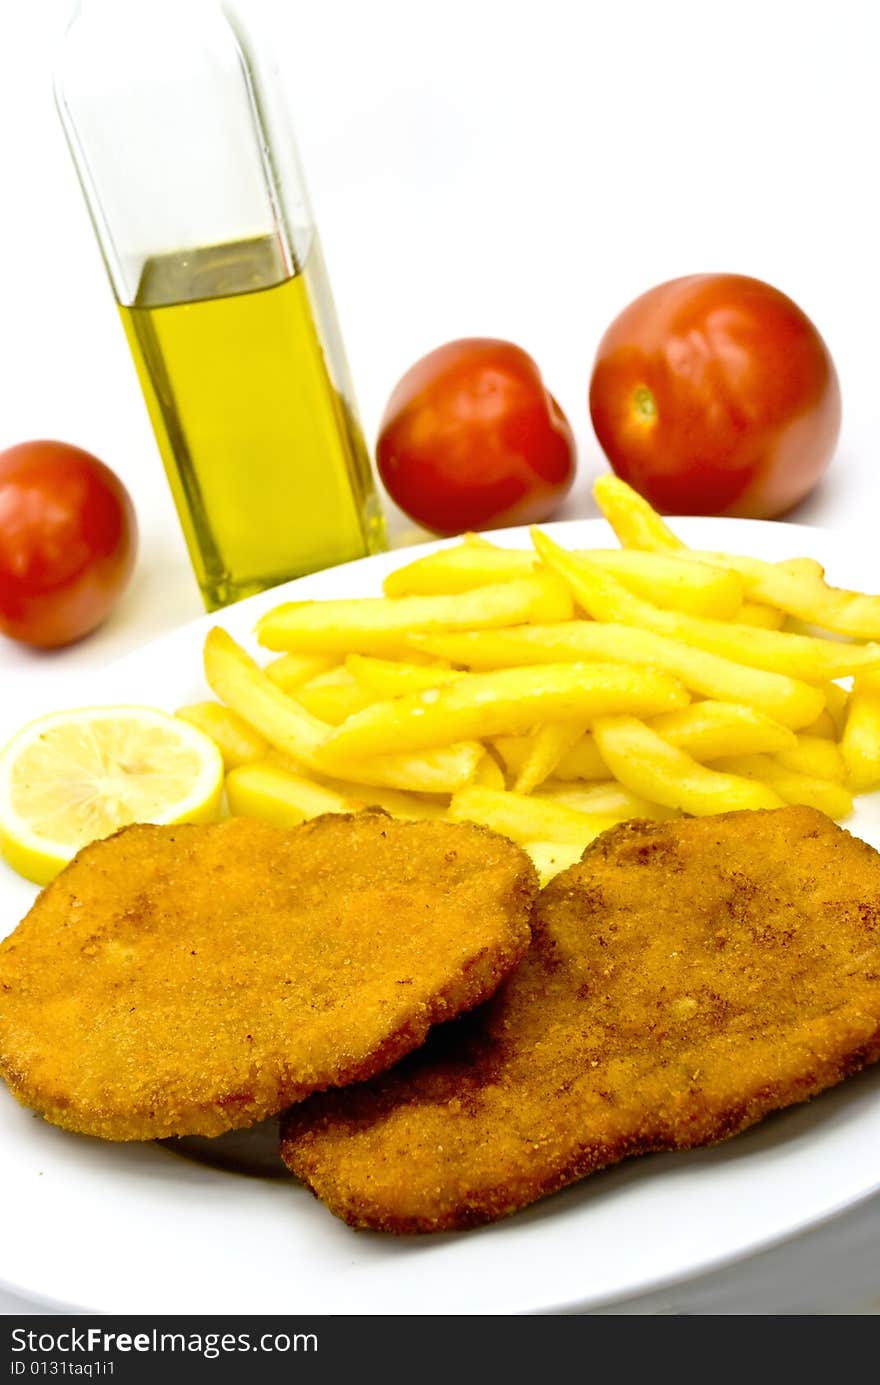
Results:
198 202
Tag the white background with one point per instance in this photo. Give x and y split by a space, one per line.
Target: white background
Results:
510 169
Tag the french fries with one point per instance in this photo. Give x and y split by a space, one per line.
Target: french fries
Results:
776 651
634 521
658 577
830 798
550 858
290 671
243 686
665 580
267 790
860 743
546 749
503 703
837 703
797 587
708 730
764 617
804 595
237 742
489 774
392 678
788 700
460 569
656 770
547 694
823 726
608 798
275 792
250 693
374 625
524 818
583 761
814 756
333 696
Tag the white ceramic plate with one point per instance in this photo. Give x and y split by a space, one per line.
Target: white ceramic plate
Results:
138 1228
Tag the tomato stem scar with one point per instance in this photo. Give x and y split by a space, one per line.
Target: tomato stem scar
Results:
645 404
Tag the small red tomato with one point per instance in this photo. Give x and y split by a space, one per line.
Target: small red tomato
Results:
67 542
471 439
715 394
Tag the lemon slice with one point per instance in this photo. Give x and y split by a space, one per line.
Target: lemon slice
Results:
71 777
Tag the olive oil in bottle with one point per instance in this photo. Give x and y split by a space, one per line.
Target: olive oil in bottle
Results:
178 128
266 462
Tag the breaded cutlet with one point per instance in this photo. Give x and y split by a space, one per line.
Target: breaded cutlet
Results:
195 979
685 978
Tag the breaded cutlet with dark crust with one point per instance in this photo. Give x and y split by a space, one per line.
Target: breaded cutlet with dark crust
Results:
685 978
192 980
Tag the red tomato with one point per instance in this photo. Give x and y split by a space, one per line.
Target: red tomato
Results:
67 542
716 395
471 439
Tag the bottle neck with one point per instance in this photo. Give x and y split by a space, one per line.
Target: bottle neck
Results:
172 139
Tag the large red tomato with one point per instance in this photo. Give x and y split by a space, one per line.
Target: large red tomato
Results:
67 542
715 394
471 439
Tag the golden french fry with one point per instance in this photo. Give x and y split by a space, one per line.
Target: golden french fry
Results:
860 743
708 730
489 774
292 670
609 797
666 581
237 742
797 656
549 858
513 751
658 577
380 625
333 696
393 678
460 569
830 722
787 700
764 617
823 726
813 756
803 567
238 681
264 789
802 594
796 586
833 799
638 526
548 745
652 768
438 771
504 703
597 592
837 703
634 521
525 818
398 803
583 761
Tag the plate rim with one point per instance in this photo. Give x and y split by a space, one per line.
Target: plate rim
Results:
386 561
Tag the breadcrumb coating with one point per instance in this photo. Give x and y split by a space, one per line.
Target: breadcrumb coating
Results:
194 979
685 979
